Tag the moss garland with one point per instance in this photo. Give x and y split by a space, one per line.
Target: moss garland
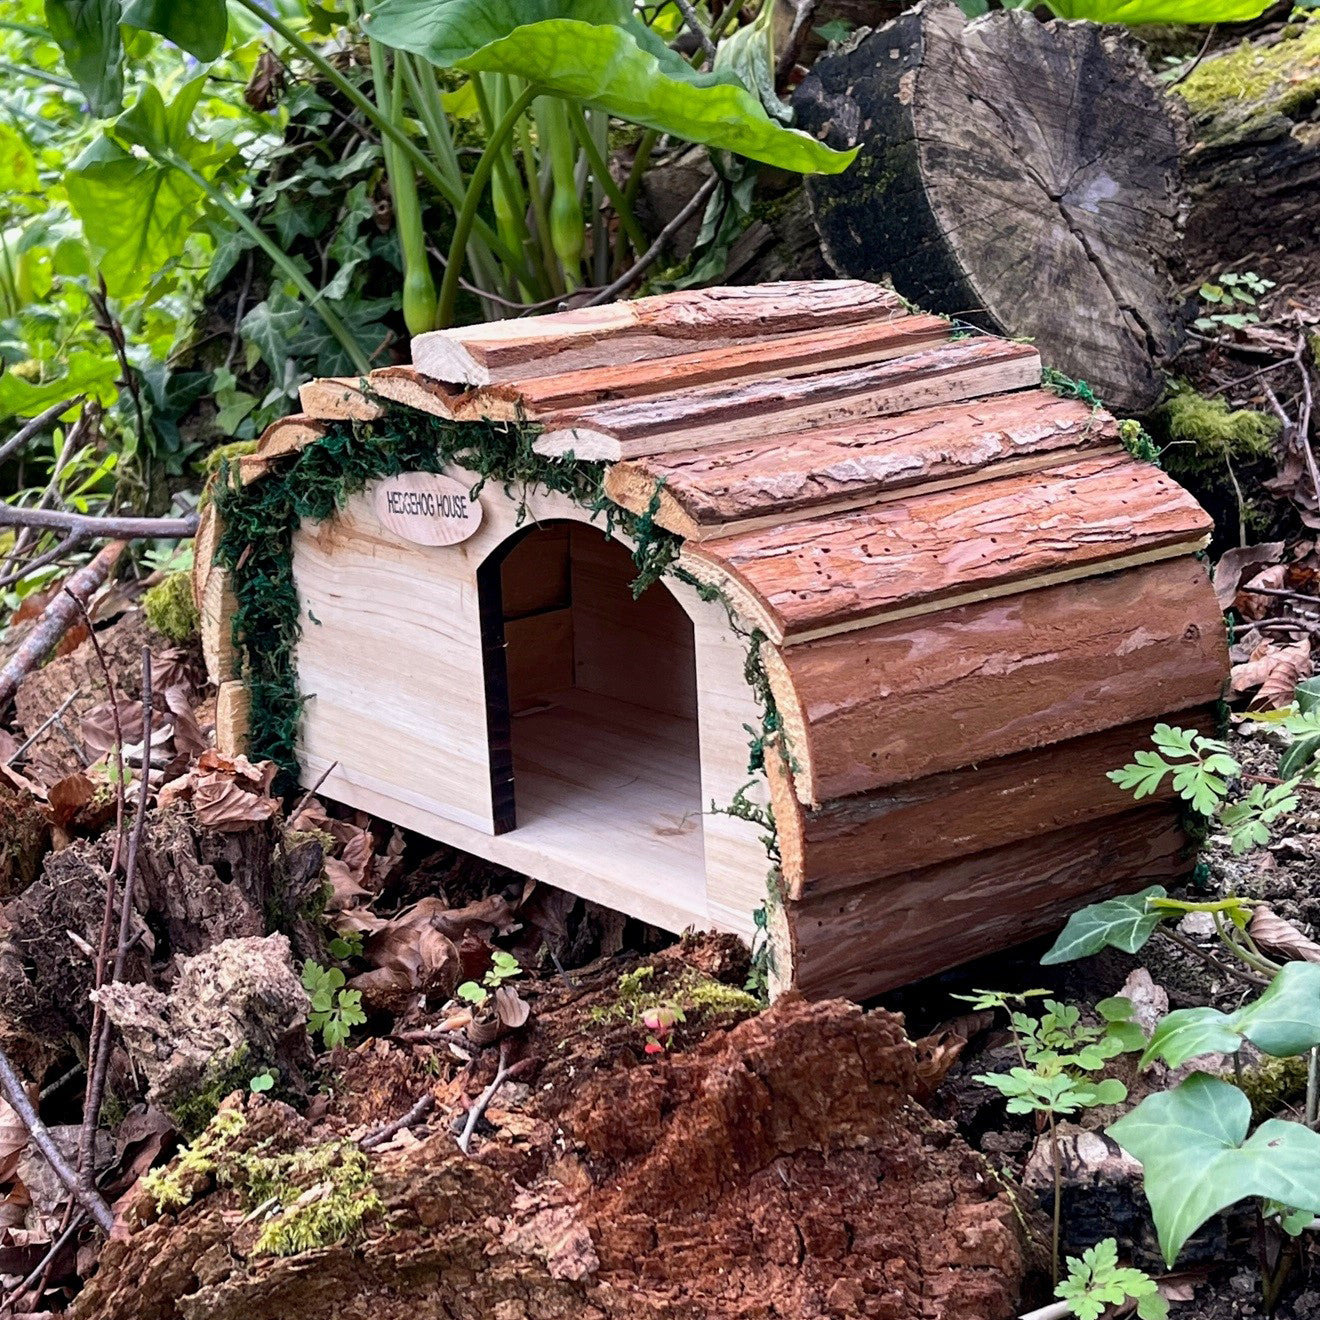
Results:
260 518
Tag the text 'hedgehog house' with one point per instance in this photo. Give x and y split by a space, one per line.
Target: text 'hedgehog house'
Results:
942 600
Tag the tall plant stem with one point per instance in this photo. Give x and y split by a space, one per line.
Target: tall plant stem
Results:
279 258
468 213
449 191
1058 1198
540 212
601 170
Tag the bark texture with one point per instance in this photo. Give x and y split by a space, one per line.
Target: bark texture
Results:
777 1167
1021 175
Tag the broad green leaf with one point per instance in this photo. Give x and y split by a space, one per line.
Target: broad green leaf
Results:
749 54
198 26
1135 12
593 52
1307 693
1299 755
87 32
1119 923
82 373
17 164
1197 1159
1284 1020
137 215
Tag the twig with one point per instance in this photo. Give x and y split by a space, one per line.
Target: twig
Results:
652 254
87 1197
1282 593
238 313
694 23
42 727
86 525
36 426
1210 960
114 331
484 1099
100 1063
91 1112
66 547
311 792
414 1115
57 618
38 1274
1200 55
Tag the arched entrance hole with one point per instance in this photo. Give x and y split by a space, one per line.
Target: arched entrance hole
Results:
592 707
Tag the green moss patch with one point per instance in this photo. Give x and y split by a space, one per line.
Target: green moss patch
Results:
170 608
1283 78
1216 431
314 1196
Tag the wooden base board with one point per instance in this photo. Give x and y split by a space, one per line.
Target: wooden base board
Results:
608 803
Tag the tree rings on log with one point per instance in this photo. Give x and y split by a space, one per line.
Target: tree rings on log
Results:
1018 174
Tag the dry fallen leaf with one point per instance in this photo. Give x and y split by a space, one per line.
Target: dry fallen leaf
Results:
1254 606
1240 562
1277 936
1275 670
220 804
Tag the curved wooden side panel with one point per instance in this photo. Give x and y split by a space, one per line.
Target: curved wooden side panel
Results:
899 701
872 937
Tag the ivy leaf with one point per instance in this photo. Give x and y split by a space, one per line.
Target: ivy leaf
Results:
1119 923
197 26
1283 1021
1197 1159
596 53
87 33
17 163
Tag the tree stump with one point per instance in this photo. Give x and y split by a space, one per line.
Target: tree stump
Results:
1020 175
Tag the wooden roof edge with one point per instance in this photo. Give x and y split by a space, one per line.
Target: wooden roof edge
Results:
497 351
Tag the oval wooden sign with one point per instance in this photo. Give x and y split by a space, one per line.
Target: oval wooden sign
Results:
427 508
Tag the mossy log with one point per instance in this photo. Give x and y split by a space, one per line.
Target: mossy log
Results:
1253 174
1018 174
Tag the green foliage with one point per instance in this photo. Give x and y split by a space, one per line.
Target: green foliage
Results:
1135 13
1284 1020
1279 78
597 53
1057 1051
335 1011
1200 767
170 608
503 967
1097 1281
1197 1158
1124 923
1231 294
1214 429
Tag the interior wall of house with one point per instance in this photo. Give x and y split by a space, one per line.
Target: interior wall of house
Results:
570 621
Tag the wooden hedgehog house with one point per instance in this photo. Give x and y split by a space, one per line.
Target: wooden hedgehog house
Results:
935 600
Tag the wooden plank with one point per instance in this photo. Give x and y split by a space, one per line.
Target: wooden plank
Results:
635 650
770 480
738 410
233 713
409 387
831 348
538 654
870 836
902 700
215 600
289 435
862 941
932 551
338 399
647 328
534 575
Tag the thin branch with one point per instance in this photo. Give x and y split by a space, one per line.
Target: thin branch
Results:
65 547
36 426
694 23
38 1275
484 1099
381 1135
87 1197
86 525
311 792
1200 55
652 254
1210 960
42 727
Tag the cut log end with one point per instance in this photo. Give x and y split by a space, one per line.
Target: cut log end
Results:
1021 175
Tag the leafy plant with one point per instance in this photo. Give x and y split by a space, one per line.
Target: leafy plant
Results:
335 1011
1056 1052
503 967
1097 1281
1231 293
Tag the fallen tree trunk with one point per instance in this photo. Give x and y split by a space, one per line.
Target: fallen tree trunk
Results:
774 1165
1020 175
